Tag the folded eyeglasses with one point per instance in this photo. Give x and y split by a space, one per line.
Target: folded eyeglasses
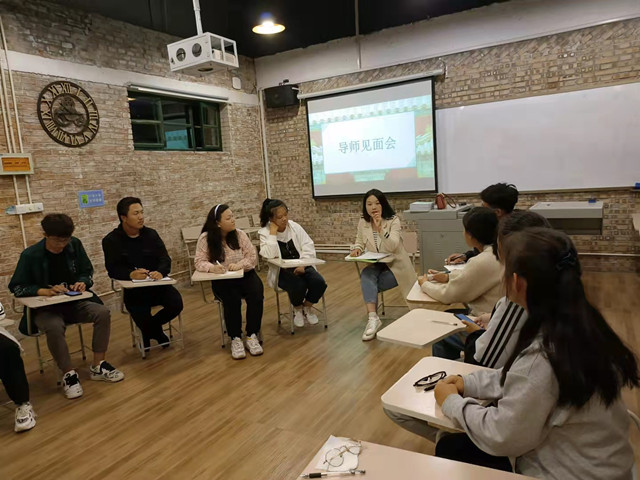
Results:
429 382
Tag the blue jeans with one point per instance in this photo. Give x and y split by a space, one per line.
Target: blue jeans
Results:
376 278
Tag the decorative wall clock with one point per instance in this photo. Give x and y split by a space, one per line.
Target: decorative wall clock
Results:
68 114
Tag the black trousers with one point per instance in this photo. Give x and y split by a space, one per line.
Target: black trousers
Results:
310 286
459 447
140 300
231 292
12 371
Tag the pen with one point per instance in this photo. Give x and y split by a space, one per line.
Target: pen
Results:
449 260
445 323
220 265
353 471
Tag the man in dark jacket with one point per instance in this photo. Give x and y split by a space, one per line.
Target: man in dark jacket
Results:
53 266
135 252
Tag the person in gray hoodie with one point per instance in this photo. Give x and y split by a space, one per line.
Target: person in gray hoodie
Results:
555 408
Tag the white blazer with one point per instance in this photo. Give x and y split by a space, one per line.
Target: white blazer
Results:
269 247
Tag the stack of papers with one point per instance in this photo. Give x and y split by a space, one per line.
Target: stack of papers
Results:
370 257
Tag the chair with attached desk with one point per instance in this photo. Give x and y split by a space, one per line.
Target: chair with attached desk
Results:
304 262
385 463
410 242
243 224
381 304
201 278
136 333
29 303
189 239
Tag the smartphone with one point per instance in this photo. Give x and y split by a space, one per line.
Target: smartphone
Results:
71 293
462 316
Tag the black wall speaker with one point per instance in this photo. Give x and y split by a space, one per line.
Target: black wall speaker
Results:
281 96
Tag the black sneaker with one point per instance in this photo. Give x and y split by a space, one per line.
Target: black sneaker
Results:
106 372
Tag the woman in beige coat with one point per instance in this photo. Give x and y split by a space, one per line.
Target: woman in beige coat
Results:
379 230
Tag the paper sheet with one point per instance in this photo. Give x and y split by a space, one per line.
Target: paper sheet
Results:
350 460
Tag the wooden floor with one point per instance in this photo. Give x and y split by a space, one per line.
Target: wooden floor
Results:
196 413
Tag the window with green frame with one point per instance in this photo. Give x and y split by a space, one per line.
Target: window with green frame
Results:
169 123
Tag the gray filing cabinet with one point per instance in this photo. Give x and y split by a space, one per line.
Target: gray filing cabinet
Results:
440 233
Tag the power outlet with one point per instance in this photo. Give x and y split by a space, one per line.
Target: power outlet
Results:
25 208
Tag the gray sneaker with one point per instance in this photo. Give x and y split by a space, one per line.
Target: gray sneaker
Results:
237 349
253 345
25 418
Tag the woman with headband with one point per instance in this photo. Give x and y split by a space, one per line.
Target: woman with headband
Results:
283 238
221 248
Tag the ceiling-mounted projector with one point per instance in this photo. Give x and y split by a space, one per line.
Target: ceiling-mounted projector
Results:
203 53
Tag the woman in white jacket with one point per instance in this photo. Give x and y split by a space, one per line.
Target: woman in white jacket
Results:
283 238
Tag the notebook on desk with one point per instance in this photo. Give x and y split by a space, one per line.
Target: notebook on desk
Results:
165 279
371 257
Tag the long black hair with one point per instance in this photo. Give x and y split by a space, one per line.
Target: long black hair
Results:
586 355
518 221
482 224
269 207
214 234
387 211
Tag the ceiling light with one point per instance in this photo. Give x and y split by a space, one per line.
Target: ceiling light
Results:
268 28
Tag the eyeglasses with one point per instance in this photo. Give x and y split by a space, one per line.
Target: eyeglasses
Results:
429 382
335 456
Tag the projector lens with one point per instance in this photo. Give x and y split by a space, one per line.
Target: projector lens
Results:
181 54
196 49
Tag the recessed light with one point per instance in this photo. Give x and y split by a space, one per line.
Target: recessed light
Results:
268 27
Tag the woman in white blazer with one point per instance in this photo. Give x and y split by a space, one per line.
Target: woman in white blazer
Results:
379 230
478 285
284 238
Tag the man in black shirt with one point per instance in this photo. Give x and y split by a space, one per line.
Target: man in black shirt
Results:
135 252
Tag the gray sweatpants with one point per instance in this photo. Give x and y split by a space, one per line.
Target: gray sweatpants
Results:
414 425
53 321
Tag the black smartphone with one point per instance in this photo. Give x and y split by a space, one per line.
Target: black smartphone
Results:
72 293
462 316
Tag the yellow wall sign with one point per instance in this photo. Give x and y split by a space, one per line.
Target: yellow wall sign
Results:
16 164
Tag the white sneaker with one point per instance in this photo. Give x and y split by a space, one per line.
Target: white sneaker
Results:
106 372
237 349
373 325
71 385
298 318
25 418
312 318
253 345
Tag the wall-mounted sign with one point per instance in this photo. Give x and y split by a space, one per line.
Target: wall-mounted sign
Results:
91 198
68 114
16 164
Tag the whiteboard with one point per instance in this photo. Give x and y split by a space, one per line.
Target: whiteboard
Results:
583 139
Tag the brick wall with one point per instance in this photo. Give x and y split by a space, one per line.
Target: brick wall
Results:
588 58
177 188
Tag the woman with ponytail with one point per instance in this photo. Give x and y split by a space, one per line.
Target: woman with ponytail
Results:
222 248
557 411
284 238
